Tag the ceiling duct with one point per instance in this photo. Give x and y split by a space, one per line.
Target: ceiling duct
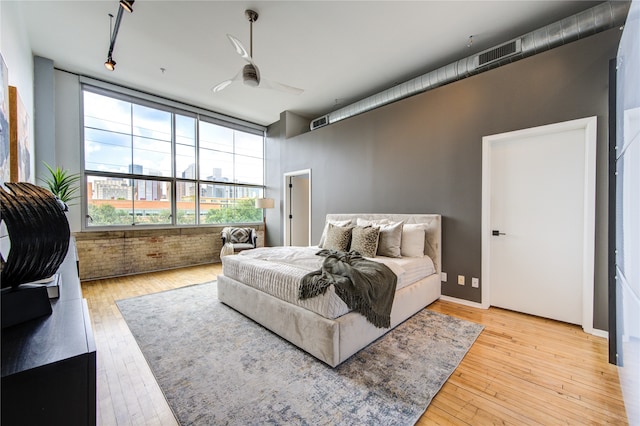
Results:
319 122
497 53
599 18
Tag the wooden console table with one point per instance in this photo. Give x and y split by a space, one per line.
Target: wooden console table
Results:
49 363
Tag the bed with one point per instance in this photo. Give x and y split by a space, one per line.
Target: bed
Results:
262 284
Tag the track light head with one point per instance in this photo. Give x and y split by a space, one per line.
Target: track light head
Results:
127 5
110 64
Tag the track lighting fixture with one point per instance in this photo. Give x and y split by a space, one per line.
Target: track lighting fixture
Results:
110 64
127 5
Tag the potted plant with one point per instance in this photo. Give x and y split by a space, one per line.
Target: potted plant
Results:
62 184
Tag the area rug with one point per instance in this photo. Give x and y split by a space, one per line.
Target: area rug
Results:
215 366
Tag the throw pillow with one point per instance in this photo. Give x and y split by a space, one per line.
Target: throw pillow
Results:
338 238
412 240
390 240
326 228
240 235
364 240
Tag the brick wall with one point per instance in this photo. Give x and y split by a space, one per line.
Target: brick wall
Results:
112 253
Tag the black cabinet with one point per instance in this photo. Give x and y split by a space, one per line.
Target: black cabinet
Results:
49 364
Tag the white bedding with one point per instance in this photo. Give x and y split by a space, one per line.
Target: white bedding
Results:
412 268
278 271
330 340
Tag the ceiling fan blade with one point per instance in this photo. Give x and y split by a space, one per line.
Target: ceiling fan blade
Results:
270 84
237 44
220 86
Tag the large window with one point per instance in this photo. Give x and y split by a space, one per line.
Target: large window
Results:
151 164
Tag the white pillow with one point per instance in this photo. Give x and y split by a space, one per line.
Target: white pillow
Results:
390 240
412 244
376 222
326 228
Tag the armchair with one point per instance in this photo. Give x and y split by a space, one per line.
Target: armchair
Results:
235 240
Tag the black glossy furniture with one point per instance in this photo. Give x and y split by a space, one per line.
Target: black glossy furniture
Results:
49 363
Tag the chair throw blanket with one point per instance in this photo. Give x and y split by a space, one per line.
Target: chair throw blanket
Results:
227 250
366 286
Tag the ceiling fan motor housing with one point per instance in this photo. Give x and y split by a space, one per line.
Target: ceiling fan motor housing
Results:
250 76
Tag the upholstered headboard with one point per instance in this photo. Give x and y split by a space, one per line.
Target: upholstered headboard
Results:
433 226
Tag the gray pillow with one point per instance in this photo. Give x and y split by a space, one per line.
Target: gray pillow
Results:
390 240
326 228
338 238
364 240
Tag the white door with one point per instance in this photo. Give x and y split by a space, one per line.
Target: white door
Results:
538 221
297 222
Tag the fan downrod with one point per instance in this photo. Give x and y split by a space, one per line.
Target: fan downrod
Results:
251 15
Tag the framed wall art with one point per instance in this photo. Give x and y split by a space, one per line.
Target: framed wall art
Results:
19 139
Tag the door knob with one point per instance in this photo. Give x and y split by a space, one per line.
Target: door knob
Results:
496 233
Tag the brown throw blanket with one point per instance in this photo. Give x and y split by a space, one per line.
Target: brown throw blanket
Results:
365 286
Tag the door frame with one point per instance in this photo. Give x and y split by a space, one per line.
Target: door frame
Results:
286 198
589 125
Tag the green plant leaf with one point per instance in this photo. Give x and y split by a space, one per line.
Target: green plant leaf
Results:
62 184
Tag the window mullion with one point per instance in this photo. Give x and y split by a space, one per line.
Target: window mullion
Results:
173 187
136 193
131 169
197 167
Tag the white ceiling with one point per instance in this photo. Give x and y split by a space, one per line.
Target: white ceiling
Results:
337 51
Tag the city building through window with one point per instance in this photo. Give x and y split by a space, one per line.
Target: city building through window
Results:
153 164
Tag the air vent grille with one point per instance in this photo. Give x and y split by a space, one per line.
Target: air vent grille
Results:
503 51
319 122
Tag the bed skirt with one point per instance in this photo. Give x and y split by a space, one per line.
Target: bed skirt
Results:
331 341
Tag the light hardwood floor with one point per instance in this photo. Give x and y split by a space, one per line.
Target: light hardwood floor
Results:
522 370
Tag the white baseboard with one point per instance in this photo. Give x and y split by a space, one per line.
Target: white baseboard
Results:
598 333
462 302
593 331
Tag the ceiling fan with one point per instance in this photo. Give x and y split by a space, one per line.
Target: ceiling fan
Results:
250 74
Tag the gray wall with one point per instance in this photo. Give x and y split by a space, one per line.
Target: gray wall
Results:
67 98
424 154
44 113
57 98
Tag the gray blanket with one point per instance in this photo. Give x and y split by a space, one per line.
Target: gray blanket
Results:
366 286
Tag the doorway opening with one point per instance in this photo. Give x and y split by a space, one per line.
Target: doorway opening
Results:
297 208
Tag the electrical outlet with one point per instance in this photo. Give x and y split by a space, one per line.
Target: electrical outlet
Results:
461 279
475 282
443 277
